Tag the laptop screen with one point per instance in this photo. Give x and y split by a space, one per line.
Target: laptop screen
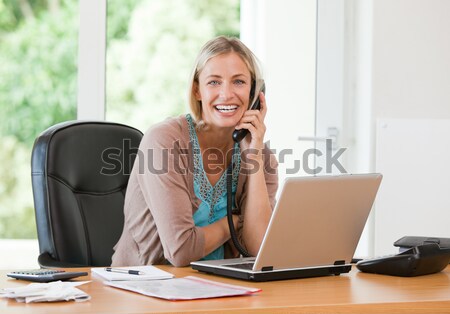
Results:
318 221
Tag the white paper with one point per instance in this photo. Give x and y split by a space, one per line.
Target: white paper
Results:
151 273
187 288
47 292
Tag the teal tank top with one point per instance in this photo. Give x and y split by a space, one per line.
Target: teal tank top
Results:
213 204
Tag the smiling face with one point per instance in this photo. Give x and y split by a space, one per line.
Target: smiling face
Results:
224 90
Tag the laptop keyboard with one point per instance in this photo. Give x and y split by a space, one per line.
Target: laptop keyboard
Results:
247 265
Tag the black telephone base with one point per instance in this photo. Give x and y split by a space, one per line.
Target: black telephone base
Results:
420 260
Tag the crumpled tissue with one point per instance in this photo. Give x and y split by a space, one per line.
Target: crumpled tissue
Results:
47 292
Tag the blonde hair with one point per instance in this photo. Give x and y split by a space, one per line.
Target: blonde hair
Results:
218 46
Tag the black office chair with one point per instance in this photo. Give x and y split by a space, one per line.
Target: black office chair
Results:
80 171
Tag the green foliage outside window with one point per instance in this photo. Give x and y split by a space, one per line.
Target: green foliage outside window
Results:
38 54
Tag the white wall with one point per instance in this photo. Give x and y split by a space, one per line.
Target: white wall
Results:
410 61
414 199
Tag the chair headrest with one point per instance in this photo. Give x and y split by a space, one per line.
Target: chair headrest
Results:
94 157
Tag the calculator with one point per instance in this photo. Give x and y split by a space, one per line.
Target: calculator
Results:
45 275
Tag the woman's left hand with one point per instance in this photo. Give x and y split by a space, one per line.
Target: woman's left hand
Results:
253 120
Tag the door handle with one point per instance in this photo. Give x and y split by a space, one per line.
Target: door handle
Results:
332 134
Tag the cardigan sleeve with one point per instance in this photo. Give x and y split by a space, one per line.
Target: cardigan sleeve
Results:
166 190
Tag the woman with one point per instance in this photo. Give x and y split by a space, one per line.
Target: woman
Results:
175 204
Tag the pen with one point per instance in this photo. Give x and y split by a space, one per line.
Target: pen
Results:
124 271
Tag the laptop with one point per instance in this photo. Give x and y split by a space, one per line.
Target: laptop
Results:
314 230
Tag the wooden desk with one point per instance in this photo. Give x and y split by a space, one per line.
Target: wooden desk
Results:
355 292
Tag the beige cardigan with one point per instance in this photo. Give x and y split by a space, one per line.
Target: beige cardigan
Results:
160 200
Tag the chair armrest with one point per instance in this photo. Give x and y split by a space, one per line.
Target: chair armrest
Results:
46 261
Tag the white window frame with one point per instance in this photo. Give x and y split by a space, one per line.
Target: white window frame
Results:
91 60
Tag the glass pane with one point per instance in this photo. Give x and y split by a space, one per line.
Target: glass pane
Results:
38 70
151 48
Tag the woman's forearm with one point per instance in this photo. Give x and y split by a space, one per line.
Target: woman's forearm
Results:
258 210
217 234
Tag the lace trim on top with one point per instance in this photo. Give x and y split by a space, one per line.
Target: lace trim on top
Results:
208 193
